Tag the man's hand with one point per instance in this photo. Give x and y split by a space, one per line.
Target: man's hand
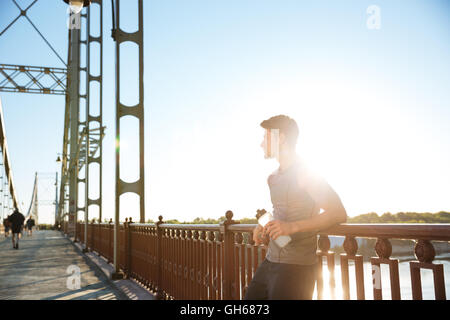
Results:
257 234
276 228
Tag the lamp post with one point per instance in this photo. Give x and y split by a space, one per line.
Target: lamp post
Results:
57 217
56 200
77 5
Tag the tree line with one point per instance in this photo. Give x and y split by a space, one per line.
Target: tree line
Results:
402 217
207 221
371 217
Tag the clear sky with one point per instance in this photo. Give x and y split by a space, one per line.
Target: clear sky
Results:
373 105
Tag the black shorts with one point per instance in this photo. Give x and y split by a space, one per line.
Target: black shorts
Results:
282 281
16 229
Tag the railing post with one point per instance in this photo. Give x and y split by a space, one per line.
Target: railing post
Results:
425 253
239 266
109 241
323 243
351 248
127 230
91 247
76 231
159 290
383 248
119 274
86 235
229 265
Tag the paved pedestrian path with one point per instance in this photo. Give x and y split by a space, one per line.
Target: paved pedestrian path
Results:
46 266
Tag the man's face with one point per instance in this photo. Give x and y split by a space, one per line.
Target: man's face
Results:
263 143
271 143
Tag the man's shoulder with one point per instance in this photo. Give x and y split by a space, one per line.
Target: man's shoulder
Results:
308 176
271 175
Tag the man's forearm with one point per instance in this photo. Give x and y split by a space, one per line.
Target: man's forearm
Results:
318 222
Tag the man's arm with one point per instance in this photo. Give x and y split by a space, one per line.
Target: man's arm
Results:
325 198
328 200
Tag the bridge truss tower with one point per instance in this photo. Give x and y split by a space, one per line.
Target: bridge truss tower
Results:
82 140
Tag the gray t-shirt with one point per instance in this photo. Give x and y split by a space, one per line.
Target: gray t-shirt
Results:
292 203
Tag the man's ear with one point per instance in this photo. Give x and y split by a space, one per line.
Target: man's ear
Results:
282 138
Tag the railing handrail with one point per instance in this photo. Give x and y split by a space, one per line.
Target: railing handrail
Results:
414 231
135 224
407 231
206 227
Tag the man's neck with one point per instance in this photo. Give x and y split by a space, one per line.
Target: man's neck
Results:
286 160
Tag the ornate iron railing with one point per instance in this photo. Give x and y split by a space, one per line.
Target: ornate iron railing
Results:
213 262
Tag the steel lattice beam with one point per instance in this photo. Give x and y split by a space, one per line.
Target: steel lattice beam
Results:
95 140
36 77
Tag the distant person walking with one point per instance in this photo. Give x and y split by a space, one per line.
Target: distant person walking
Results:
30 224
6 224
16 219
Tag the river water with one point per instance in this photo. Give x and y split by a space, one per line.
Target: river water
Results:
405 280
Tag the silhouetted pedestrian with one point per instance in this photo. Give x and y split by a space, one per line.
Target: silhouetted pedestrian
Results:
16 219
30 224
6 224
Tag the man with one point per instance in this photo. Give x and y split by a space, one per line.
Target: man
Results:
297 196
16 220
6 225
30 224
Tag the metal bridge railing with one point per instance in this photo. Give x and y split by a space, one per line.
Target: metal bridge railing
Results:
214 262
